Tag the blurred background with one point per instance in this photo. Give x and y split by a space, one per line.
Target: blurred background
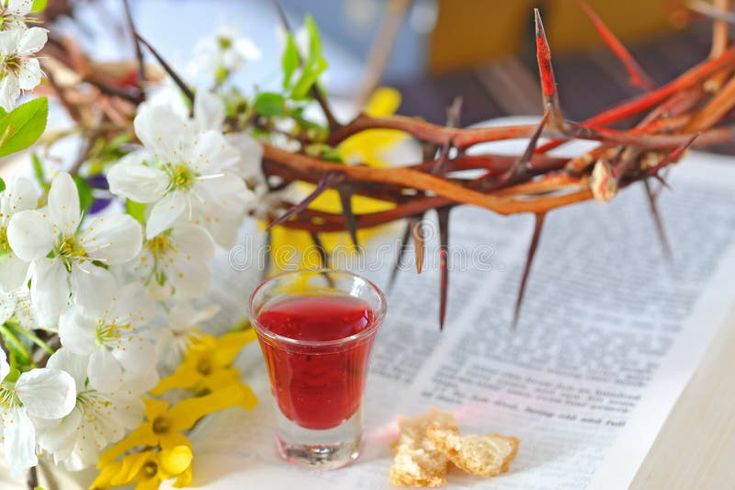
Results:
431 50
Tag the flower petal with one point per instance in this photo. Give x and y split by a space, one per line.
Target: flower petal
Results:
189 271
212 153
92 287
20 440
20 195
9 90
209 111
77 332
30 235
164 213
60 438
220 207
13 272
164 132
63 204
251 155
49 288
29 74
20 8
139 183
32 40
113 239
104 372
138 356
65 360
47 393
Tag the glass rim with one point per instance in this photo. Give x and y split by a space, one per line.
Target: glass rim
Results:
378 320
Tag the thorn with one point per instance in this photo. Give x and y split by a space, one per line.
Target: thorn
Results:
171 72
638 78
546 73
538 226
323 184
443 215
345 199
658 222
673 156
521 164
453 115
417 231
399 257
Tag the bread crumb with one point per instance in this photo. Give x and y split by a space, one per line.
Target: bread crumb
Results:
480 455
418 462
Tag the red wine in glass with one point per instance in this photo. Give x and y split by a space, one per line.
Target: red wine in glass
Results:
317 389
316 330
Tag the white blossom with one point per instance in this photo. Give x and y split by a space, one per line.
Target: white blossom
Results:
19 69
13 14
176 261
41 394
184 320
114 336
100 417
185 171
66 259
225 52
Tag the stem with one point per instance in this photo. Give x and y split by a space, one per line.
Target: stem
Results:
32 480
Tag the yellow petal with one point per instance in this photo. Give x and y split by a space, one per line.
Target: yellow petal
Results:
107 472
229 346
173 439
221 378
384 102
185 376
130 468
175 461
186 413
154 408
148 484
184 480
142 436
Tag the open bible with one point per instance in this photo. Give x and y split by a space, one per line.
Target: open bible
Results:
610 332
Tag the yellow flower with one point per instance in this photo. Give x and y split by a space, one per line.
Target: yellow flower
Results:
207 366
372 145
164 424
148 469
369 147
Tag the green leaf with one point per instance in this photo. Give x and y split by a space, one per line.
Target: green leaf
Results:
269 104
136 210
289 60
315 42
39 172
23 126
39 5
2 185
86 198
308 78
314 65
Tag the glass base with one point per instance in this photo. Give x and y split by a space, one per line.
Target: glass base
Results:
320 449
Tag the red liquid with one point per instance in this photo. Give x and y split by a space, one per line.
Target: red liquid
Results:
317 387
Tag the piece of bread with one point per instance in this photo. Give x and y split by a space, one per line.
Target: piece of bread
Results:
480 455
418 462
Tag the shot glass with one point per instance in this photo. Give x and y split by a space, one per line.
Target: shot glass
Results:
316 330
